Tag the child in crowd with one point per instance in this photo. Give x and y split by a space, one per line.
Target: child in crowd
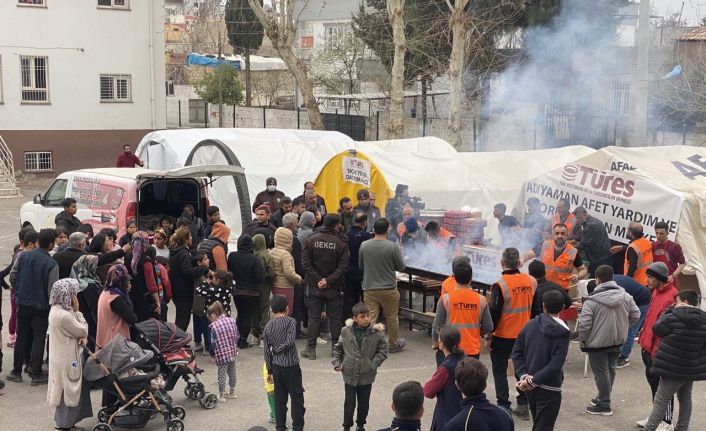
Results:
270 390
218 287
161 269
408 405
167 225
131 229
360 350
282 363
224 339
199 307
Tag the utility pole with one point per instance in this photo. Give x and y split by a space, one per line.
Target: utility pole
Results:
642 74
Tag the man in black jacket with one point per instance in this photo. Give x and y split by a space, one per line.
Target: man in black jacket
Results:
270 196
248 272
353 289
538 271
67 257
262 225
538 356
594 241
67 218
325 257
285 207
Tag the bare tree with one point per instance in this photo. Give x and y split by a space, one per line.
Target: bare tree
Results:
279 28
680 97
271 84
395 9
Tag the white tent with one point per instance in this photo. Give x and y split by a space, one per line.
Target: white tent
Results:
447 180
650 184
292 156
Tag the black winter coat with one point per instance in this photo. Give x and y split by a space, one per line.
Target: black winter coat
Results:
325 255
248 271
68 222
682 352
66 259
183 272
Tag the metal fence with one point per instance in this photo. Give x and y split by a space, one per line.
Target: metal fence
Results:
477 134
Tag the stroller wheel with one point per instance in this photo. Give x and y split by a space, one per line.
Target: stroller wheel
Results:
190 393
103 427
166 397
178 412
103 416
175 425
209 401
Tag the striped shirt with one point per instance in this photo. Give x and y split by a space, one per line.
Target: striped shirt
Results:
224 336
278 342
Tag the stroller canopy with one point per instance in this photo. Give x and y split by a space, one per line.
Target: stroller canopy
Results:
166 337
119 356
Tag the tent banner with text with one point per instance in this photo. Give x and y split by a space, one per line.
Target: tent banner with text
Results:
616 198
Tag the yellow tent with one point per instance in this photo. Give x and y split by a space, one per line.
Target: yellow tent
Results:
346 173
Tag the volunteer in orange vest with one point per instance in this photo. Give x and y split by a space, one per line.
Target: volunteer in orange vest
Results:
564 216
466 310
560 258
450 283
638 255
510 308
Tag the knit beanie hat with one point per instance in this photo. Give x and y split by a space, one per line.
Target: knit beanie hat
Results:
411 225
659 271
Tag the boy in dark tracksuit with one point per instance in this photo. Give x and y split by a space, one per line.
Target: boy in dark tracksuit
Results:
538 356
408 405
360 350
477 413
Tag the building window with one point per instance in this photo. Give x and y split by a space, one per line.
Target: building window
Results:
35 82
336 35
114 4
197 111
621 97
116 88
169 87
38 161
31 2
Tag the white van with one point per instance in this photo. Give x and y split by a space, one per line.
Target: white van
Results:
109 197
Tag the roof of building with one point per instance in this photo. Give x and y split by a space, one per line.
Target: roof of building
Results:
697 34
321 10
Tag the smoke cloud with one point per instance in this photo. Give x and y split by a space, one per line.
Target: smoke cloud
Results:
550 96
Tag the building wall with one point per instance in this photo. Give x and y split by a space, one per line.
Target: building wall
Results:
81 41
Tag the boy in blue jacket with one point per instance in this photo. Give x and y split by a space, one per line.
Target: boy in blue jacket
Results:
538 356
477 413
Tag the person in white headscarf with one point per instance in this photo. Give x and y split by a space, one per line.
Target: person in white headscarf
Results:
66 390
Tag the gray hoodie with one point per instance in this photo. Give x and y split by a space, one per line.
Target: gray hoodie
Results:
306 226
606 316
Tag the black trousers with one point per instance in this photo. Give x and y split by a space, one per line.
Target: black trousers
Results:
247 306
331 298
544 406
288 384
653 381
183 312
499 355
301 312
362 394
32 325
352 294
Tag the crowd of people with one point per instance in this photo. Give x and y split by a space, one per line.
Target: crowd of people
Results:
302 272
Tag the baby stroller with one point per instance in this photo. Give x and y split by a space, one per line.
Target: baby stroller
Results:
113 369
169 344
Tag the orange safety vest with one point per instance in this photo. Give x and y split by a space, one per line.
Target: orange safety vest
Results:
643 248
559 271
518 292
570 222
464 308
448 285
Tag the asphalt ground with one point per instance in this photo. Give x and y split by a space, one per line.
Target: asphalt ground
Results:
23 407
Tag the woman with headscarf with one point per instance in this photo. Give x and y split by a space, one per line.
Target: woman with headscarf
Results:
89 289
183 273
66 390
102 246
264 288
145 291
115 312
195 224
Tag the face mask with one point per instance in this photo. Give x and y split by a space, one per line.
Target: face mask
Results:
271 188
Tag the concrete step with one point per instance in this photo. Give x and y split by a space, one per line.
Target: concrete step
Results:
9 192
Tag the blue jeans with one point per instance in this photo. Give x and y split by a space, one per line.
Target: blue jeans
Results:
627 347
201 328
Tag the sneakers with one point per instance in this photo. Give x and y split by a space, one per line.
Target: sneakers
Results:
261 344
320 340
399 346
522 411
14 377
231 395
642 423
594 402
40 380
270 419
622 362
597 410
198 347
664 426
221 399
309 353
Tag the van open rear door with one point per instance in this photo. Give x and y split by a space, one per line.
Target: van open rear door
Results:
199 171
